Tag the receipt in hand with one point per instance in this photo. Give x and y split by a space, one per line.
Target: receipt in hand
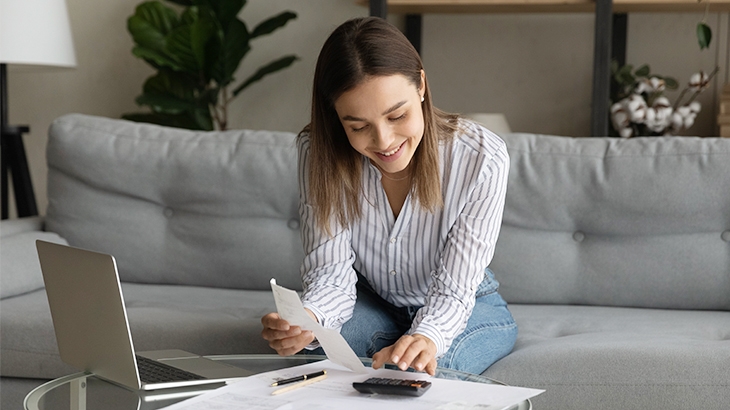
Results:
335 346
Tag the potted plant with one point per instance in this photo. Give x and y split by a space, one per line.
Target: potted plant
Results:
639 107
196 54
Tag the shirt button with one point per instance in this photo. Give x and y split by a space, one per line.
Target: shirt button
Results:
392 240
393 273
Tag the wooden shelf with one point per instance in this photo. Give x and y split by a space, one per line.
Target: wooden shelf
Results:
548 6
610 29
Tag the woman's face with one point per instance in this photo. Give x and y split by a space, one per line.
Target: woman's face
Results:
383 120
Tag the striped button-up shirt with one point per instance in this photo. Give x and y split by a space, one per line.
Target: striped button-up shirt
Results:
434 260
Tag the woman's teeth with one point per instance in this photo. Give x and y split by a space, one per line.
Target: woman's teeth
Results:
389 153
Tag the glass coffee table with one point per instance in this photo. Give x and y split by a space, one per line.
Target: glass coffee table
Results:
83 391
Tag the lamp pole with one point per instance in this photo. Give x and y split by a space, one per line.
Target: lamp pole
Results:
14 161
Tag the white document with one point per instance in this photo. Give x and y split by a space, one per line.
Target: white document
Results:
335 346
336 393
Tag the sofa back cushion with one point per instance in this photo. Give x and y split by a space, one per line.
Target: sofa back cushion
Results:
175 206
643 222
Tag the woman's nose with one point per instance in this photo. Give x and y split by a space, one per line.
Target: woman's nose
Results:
383 136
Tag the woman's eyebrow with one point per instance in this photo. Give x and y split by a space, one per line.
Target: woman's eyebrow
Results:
386 112
395 107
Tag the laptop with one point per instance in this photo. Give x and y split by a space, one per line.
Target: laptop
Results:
92 330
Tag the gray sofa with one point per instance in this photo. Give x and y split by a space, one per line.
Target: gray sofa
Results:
614 255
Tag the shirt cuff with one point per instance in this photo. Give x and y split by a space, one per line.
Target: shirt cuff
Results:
434 334
317 313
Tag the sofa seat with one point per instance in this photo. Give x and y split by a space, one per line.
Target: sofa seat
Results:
614 357
201 320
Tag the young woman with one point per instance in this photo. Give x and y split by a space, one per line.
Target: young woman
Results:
401 206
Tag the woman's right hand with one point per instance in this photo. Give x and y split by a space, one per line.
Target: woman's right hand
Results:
284 338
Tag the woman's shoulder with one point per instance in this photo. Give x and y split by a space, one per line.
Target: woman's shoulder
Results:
475 139
303 140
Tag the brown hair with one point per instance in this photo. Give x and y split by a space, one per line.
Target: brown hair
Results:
358 49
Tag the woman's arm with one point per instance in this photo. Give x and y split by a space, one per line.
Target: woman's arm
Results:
327 271
468 251
327 275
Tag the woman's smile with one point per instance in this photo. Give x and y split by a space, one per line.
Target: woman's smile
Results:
393 154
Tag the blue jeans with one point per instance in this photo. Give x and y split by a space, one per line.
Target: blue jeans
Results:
489 335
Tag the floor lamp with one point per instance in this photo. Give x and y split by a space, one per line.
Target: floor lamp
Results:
32 33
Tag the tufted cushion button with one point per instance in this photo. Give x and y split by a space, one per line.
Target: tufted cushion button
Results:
579 236
726 236
168 212
293 224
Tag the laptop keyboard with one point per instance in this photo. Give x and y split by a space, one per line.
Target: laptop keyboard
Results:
152 371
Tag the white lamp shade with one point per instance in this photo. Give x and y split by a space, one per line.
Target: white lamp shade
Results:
495 122
36 32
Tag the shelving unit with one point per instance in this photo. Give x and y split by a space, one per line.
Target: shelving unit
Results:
548 6
609 35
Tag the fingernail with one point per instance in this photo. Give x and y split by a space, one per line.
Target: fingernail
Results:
395 359
403 366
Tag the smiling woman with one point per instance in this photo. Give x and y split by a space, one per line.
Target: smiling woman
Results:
401 206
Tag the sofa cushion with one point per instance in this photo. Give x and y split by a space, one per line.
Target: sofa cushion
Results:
641 222
205 321
175 206
21 271
609 357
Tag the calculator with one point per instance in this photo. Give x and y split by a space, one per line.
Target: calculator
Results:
402 387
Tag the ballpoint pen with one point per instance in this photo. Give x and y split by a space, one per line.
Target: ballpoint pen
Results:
299 378
307 382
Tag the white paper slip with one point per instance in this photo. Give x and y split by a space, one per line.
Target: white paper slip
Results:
335 346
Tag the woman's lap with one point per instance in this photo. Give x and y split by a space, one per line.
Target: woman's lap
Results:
489 335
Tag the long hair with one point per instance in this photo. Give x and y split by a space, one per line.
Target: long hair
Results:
355 51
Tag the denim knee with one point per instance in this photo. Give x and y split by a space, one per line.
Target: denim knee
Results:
490 334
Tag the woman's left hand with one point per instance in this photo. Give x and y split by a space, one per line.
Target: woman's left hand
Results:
415 351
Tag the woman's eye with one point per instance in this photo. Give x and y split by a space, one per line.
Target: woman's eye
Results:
359 129
402 116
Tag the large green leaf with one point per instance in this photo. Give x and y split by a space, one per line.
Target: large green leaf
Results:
671 83
643 71
272 23
164 103
155 58
179 44
182 2
235 46
226 11
203 119
168 92
171 92
624 76
205 41
272 67
704 35
151 22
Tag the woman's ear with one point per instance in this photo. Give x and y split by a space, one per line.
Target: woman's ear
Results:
422 89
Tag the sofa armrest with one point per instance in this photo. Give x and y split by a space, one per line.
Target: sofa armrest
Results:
20 271
15 226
